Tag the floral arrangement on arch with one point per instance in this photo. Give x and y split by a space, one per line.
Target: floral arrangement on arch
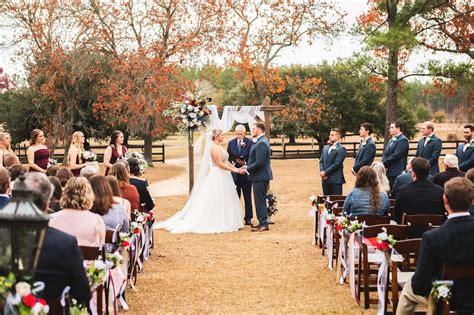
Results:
142 163
193 113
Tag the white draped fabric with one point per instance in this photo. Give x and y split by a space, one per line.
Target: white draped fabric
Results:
240 114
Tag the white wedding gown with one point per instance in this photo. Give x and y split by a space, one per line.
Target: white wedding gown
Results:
213 207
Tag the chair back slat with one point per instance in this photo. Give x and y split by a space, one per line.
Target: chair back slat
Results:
409 249
457 271
372 219
90 253
399 232
392 202
109 236
420 223
337 211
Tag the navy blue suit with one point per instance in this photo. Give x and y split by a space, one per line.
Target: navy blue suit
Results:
241 181
395 157
365 155
466 158
431 152
404 179
3 201
332 164
260 174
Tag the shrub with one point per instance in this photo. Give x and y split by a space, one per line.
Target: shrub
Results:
439 116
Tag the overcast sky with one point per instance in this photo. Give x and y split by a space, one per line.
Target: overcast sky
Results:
343 46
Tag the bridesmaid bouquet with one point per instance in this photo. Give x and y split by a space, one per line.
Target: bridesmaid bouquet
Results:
89 156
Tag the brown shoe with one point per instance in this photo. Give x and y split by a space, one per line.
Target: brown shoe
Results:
256 226
261 229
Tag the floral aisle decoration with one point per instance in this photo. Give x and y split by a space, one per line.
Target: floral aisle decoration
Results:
21 298
97 271
124 240
441 291
385 242
142 163
272 204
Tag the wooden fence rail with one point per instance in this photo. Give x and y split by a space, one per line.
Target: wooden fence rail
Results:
158 152
301 150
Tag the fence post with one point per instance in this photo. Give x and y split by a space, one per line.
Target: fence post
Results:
163 150
284 151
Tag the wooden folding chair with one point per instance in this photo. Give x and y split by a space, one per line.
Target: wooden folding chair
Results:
420 223
366 275
93 253
401 272
399 232
454 272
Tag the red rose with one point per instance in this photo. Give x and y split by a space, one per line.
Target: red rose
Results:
313 203
42 302
339 227
136 231
29 300
328 222
125 243
383 246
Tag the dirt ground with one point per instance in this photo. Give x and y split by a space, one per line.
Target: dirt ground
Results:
274 272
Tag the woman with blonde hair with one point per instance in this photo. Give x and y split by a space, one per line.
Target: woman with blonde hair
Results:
74 155
5 147
379 169
75 218
37 153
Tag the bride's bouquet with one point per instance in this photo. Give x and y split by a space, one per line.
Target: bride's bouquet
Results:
192 113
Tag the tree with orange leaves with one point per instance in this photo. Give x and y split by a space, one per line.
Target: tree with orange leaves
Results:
394 28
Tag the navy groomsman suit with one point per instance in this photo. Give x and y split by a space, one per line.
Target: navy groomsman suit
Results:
465 154
332 164
430 149
365 155
240 150
395 157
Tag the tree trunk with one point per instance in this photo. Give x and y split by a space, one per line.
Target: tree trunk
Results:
148 149
292 139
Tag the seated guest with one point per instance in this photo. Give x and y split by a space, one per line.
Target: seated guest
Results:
129 192
10 160
57 192
64 174
52 170
88 171
419 196
4 187
53 269
452 170
114 185
404 179
15 171
104 205
450 243
379 169
75 218
366 197
470 176
140 183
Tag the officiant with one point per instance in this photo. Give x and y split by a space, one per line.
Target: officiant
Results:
239 149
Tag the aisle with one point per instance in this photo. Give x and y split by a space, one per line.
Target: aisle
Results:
275 272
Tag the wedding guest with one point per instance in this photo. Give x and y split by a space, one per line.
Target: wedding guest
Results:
141 184
465 152
239 149
115 151
104 205
470 176
74 155
57 192
366 153
452 170
52 170
419 196
10 159
129 192
366 197
53 269
64 174
89 171
395 154
379 169
37 153
75 218
15 171
405 178
450 243
114 185
331 164
4 187
5 148
429 147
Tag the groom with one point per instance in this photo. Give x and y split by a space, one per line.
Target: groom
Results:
259 173
239 149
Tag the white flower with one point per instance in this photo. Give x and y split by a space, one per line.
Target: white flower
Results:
192 115
312 198
190 107
183 109
200 114
443 291
198 123
195 119
196 109
382 236
38 308
23 288
99 264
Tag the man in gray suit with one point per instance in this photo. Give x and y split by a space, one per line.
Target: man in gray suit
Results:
259 173
331 164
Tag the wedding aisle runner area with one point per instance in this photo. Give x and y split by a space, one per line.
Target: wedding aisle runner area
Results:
271 272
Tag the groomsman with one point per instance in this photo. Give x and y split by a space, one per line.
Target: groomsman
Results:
395 154
366 153
429 147
465 152
239 149
331 164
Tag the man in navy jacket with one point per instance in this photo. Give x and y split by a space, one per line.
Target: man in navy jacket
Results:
429 147
396 152
366 153
331 164
465 151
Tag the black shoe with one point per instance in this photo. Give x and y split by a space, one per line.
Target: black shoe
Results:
248 222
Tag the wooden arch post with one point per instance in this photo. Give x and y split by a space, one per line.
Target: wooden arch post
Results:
268 110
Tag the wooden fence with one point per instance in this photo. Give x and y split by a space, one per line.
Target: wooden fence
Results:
158 152
311 151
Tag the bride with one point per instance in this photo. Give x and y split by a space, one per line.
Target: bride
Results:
213 206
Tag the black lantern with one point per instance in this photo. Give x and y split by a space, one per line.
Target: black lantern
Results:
22 231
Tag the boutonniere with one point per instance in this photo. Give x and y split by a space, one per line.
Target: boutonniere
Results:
471 145
243 145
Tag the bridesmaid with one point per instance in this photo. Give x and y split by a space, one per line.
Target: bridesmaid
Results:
37 153
74 156
116 150
5 147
